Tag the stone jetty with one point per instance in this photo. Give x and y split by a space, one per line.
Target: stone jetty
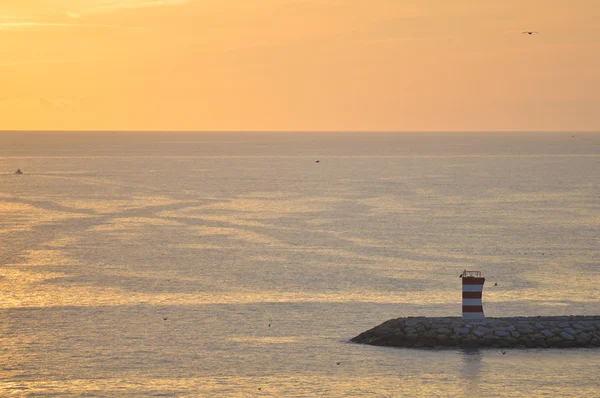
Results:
513 332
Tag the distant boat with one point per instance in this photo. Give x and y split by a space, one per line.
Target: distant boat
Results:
18 171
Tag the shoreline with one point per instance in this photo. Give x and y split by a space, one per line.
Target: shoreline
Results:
508 332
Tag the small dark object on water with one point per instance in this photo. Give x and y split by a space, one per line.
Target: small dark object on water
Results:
18 171
269 325
317 161
337 363
165 318
496 284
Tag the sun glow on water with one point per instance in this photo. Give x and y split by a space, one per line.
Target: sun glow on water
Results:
152 275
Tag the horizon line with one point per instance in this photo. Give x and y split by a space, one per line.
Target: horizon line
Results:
293 131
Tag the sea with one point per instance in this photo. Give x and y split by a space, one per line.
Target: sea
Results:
240 264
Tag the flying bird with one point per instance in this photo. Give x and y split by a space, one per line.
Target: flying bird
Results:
529 32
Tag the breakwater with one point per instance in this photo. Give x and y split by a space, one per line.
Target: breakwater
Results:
509 332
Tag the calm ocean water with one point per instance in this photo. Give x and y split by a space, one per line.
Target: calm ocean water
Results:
234 264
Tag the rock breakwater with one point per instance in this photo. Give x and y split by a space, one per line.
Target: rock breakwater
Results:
510 332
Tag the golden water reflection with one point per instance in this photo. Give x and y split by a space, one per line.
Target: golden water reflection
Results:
29 285
111 205
22 217
341 384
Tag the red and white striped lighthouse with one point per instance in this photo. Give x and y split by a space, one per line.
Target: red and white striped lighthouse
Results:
472 289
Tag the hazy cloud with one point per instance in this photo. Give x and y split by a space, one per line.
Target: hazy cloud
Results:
27 62
57 102
400 39
13 18
74 9
112 5
33 102
37 25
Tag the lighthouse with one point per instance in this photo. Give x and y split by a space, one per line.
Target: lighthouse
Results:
472 289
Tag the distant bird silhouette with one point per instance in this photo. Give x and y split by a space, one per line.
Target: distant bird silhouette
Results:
259 388
496 284
529 32
337 363
18 171
460 276
317 161
165 318
503 352
269 325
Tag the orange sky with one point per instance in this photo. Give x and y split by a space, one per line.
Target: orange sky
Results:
299 65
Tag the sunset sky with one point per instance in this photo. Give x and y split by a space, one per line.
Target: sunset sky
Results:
299 65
